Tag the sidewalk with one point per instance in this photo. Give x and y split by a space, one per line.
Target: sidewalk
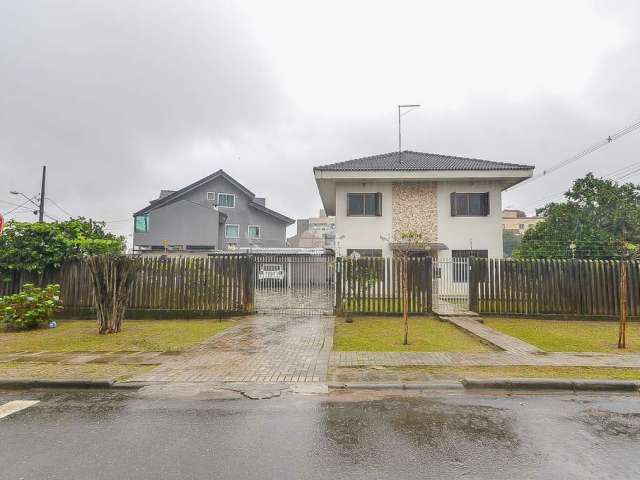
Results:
503 359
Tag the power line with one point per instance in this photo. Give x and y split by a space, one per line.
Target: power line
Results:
596 146
59 207
19 206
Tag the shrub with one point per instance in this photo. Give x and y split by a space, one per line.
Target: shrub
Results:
31 308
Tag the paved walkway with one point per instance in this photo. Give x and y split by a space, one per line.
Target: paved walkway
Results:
456 359
261 349
501 340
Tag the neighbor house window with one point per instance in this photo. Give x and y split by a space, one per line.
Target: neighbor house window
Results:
211 196
254 231
232 231
227 200
469 204
141 223
364 204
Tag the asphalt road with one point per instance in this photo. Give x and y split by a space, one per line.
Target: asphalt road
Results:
113 435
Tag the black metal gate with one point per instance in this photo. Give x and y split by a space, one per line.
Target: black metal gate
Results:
294 283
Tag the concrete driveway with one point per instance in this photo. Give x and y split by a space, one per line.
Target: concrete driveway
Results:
260 349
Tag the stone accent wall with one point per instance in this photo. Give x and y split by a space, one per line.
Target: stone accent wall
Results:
415 208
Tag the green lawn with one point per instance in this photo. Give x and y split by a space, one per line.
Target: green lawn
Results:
58 371
385 334
429 373
136 335
568 335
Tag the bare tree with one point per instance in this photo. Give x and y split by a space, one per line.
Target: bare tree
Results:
410 242
112 277
630 252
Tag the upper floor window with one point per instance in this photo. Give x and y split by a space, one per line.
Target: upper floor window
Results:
469 204
232 231
364 204
211 196
253 231
141 223
227 200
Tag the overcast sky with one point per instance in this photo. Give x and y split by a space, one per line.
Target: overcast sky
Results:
120 99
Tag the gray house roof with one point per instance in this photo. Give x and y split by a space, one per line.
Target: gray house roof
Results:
168 196
418 161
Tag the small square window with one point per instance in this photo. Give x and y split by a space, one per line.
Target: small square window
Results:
227 200
211 196
232 231
141 223
254 231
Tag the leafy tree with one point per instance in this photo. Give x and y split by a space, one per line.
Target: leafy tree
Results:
596 220
510 242
36 247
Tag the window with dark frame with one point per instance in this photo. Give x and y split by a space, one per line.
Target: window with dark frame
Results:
364 204
470 204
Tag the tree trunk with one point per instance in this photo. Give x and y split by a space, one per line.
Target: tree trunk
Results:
405 298
112 277
622 328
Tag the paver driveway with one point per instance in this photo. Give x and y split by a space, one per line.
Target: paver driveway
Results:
261 349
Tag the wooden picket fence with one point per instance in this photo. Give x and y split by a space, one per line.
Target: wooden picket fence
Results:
372 285
557 287
185 285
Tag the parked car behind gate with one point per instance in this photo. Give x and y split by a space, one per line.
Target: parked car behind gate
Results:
271 271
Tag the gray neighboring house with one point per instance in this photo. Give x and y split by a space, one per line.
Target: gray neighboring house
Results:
214 213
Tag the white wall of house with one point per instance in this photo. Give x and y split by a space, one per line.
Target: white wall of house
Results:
457 233
363 232
466 233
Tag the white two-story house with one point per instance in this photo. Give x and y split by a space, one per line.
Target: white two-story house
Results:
454 203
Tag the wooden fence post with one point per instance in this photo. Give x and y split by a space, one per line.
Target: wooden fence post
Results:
473 283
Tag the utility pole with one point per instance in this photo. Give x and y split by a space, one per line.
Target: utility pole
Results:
41 207
400 114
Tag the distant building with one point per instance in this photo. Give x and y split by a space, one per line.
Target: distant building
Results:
517 222
318 232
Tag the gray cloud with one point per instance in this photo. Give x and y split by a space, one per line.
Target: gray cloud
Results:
121 99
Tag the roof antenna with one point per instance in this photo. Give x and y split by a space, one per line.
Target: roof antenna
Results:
400 114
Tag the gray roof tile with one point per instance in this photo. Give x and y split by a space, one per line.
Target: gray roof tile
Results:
419 161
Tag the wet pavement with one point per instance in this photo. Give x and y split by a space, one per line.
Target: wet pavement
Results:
260 349
363 434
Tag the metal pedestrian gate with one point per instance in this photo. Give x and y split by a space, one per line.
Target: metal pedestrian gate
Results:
300 284
450 285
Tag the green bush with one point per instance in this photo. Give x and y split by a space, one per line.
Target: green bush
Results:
31 308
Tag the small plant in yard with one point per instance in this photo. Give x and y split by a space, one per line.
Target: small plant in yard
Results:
31 308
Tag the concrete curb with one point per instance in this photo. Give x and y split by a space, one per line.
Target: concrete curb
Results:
550 384
28 384
397 386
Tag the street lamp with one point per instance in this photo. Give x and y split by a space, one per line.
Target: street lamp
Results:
14 192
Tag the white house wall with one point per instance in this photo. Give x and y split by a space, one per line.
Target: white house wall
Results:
466 233
363 232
